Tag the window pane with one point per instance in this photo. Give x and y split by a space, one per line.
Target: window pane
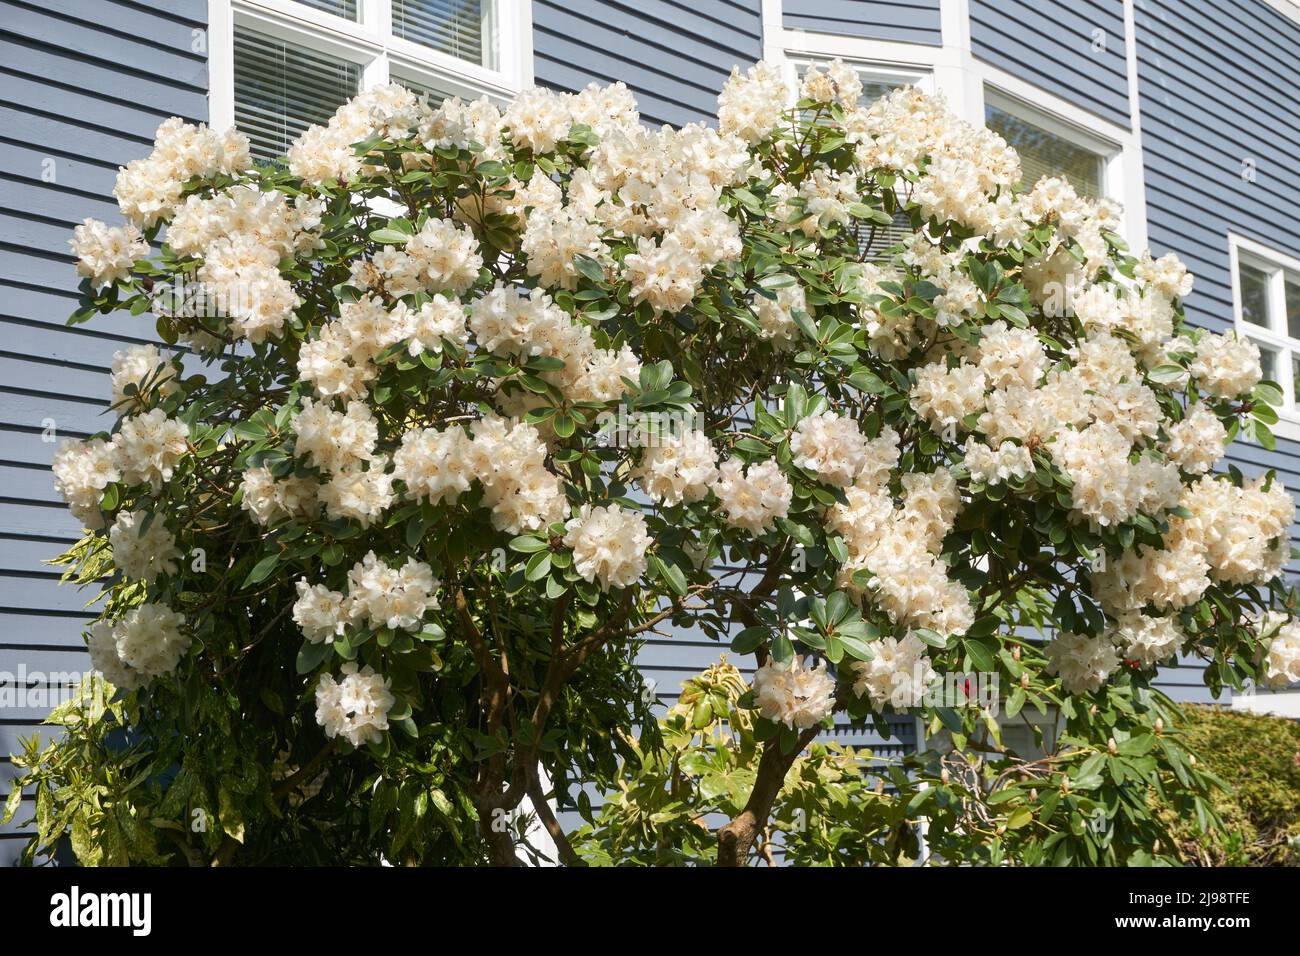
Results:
1293 308
1046 154
281 89
436 96
1270 362
1295 379
873 88
455 27
1254 295
340 8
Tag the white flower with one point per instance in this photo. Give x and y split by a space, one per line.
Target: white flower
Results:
361 496
509 458
1226 366
830 446
1167 274
82 470
897 675
390 597
839 83
755 500
1197 442
1083 663
997 465
335 441
149 446
145 368
1282 662
1147 640
105 254
945 396
609 545
141 555
144 644
270 500
751 104
677 468
776 316
434 464
794 695
355 708
321 613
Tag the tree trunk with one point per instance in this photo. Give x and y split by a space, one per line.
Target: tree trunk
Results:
736 838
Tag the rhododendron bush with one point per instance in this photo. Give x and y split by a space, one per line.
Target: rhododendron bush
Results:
457 407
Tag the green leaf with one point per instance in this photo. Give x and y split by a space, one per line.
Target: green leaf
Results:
310 656
389 237
527 544
539 565
748 640
262 570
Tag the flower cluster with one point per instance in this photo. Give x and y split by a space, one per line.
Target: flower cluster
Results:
794 694
378 595
355 708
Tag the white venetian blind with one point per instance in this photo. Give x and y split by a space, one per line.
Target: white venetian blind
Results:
1043 153
454 27
281 89
347 9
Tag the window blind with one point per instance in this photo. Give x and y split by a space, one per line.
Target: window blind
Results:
347 9
281 89
1046 154
455 27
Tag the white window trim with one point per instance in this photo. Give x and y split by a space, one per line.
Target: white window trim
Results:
1242 249
952 70
369 43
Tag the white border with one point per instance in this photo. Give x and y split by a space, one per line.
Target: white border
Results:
368 42
1276 335
962 80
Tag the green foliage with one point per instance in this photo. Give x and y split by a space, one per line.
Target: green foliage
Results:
831 809
1258 756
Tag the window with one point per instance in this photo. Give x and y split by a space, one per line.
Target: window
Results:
279 66
1266 297
1047 146
877 80
459 28
280 90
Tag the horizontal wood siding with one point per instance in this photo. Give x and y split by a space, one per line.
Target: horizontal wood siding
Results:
1055 45
674 54
1219 82
903 21
83 87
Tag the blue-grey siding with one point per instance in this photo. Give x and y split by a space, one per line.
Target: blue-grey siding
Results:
904 21
1218 81
1051 44
674 54
83 86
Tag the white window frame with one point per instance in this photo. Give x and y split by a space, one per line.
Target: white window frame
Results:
1279 266
952 70
1109 153
368 42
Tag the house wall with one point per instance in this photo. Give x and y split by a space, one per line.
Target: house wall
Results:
1072 48
1218 82
674 54
83 86
904 21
